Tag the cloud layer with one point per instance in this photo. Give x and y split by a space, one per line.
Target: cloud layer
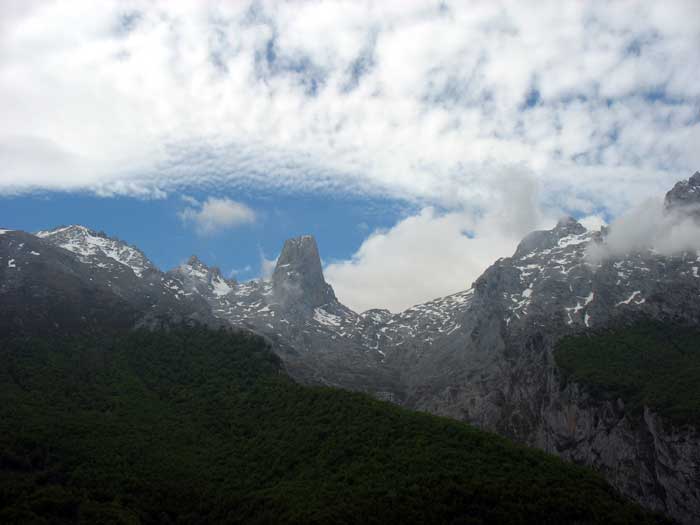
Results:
430 102
418 100
650 226
216 215
436 253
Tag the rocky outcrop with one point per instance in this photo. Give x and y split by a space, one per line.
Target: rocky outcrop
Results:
297 280
646 458
498 370
196 277
684 194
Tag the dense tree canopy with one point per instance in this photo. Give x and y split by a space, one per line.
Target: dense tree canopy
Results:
647 364
195 426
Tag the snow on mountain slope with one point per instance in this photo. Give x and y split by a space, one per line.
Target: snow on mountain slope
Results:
97 248
551 278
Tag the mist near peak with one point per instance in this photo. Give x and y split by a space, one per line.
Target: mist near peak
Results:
649 226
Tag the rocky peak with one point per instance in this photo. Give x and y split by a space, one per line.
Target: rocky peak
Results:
569 226
685 193
546 239
377 315
195 262
195 268
298 276
72 230
97 248
203 278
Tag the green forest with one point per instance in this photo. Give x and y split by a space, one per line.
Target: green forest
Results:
201 426
646 364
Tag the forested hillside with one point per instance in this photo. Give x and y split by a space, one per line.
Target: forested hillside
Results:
200 426
646 364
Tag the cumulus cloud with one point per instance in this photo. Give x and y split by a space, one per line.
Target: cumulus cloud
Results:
267 267
650 226
593 222
435 253
421 257
418 100
235 272
188 199
216 215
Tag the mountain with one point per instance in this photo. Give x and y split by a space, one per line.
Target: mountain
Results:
97 249
193 425
298 278
44 288
685 194
109 283
487 355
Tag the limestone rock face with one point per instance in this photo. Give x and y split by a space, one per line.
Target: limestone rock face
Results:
298 277
497 370
685 193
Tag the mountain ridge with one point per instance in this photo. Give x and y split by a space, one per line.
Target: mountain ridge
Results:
483 355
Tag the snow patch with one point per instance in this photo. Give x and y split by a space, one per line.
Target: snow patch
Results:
83 242
571 240
220 287
631 298
580 306
326 318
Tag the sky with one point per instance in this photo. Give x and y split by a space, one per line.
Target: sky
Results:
417 140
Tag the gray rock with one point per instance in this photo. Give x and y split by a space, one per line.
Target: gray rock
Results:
685 193
297 281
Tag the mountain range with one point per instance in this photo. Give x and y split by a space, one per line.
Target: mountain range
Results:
486 355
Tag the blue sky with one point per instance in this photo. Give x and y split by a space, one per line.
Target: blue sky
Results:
340 225
418 141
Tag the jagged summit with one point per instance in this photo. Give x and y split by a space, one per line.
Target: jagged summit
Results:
545 239
301 252
64 232
569 226
97 248
685 193
298 275
205 280
195 261
214 272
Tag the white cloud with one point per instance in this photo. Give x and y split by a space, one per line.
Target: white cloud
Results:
432 254
237 271
649 226
415 100
216 215
424 256
593 222
188 199
267 267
